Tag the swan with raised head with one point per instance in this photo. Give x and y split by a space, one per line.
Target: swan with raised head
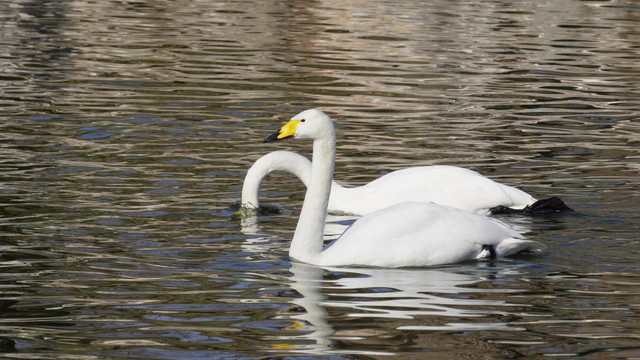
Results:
405 234
446 185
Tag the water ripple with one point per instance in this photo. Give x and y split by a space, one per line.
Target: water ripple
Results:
127 129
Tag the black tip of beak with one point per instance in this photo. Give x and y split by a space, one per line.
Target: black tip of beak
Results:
271 138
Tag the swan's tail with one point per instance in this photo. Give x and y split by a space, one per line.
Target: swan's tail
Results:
509 247
545 206
515 246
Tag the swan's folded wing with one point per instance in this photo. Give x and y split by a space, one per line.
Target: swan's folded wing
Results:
446 185
416 234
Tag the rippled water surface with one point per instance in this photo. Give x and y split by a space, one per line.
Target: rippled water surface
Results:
126 128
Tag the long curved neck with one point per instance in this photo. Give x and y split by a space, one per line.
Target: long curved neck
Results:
294 163
251 185
307 241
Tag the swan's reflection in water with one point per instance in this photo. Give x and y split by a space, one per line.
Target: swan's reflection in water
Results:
249 225
405 296
451 298
312 319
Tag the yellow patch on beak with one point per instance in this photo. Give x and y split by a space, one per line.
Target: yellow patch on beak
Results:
288 129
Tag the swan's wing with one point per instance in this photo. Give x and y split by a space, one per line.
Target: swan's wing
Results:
446 185
419 234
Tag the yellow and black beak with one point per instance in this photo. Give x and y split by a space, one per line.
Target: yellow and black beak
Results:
286 131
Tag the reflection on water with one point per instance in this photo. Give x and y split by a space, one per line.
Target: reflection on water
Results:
455 300
126 129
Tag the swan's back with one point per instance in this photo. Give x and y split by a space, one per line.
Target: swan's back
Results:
446 185
422 234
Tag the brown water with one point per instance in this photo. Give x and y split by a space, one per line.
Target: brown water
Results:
127 128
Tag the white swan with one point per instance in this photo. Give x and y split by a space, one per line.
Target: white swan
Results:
406 234
446 185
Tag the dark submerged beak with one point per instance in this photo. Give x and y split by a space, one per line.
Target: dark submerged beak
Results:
271 138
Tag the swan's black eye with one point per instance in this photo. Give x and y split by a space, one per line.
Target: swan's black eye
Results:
302 120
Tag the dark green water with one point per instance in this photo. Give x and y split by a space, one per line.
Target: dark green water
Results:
126 128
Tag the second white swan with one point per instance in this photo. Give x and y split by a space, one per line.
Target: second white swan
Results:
453 186
406 234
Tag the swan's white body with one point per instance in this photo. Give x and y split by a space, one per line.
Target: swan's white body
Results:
406 234
446 185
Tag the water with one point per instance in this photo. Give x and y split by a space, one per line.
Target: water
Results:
127 128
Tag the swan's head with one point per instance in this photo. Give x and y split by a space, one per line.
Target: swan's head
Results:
309 124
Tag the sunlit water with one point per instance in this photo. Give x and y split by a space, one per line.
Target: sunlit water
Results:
126 129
